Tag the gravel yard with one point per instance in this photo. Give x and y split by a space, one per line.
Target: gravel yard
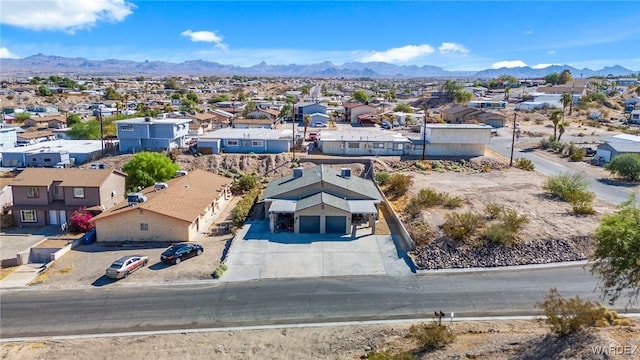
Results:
85 265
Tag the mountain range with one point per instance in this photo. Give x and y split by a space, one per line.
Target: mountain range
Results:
46 64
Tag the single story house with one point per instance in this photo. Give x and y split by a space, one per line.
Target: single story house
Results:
49 153
264 114
634 118
451 140
470 115
240 123
8 136
308 108
318 118
252 140
320 200
374 142
618 145
179 210
46 122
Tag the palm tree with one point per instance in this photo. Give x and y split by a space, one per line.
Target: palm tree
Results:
566 100
555 119
561 128
506 93
307 120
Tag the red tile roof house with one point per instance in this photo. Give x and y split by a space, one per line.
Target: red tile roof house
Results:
181 211
46 196
353 110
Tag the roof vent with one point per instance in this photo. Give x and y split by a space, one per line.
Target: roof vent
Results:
345 173
136 198
160 185
298 172
147 119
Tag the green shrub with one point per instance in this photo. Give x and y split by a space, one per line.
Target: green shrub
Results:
462 226
493 211
569 316
453 202
382 177
220 270
512 220
428 197
245 182
431 336
524 164
399 184
577 156
242 209
626 166
562 185
581 202
499 234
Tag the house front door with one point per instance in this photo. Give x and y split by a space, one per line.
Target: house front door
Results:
63 217
53 217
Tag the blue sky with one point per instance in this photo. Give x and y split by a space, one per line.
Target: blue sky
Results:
454 35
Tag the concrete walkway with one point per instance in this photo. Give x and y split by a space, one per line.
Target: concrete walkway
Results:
21 276
255 253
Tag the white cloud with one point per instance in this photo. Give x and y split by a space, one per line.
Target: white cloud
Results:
6 54
449 47
401 54
205 36
528 32
508 64
542 66
66 15
551 52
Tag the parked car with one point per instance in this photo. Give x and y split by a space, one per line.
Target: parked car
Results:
589 151
386 125
313 136
319 124
182 251
125 265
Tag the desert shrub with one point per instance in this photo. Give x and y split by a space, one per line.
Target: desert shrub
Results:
423 165
493 211
524 164
626 166
431 336
546 142
486 168
577 156
564 184
569 316
581 202
399 184
462 226
499 234
428 197
245 182
453 202
382 177
512 220
79 221
220 270
242 209
389 355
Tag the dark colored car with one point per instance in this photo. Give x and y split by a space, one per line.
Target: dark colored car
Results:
125 265
182 251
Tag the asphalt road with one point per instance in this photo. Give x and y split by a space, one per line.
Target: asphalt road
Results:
614 194
32 312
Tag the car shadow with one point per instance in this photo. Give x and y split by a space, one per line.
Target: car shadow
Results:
102 281
159 266
617 182
112 246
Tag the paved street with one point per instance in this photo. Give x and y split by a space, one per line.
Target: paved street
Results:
276 301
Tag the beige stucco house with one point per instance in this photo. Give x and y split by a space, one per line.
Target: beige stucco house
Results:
179 210
321 200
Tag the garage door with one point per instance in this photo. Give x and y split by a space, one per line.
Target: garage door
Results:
336 224
603 155
310 224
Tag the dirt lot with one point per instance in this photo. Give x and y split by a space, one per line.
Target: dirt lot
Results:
85 264
493 340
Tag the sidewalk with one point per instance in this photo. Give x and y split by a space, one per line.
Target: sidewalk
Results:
21 276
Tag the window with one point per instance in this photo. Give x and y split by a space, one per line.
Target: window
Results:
47 159
378 145
232 142
32 192
353 145
398 146
144 227
257 143
28 216
126 127
78 193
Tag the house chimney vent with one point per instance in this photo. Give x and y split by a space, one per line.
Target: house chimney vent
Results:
298 172
345 173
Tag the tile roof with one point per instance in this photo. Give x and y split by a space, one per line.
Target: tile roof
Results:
185 199
68 177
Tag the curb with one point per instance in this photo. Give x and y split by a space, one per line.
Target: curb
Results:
504 268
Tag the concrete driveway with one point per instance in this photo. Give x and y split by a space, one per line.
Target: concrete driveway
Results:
255 253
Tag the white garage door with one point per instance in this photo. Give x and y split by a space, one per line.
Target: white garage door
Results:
603 155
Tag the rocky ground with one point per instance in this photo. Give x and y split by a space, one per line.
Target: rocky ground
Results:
490 340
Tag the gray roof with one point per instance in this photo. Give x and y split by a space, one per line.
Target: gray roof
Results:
321 174
373 135
624 143
141 120
351 206
322 198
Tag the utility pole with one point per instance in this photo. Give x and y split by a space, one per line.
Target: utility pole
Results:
101 131
571 103
513 138
293 130
424 131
